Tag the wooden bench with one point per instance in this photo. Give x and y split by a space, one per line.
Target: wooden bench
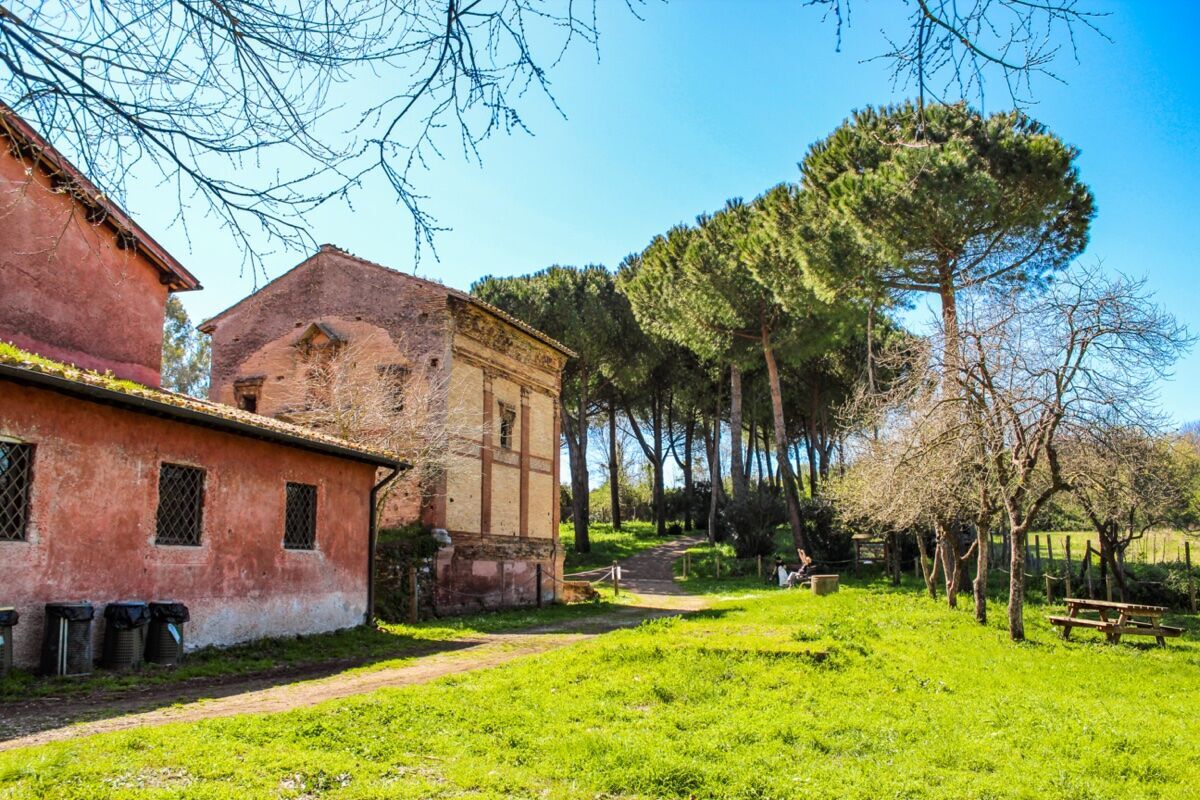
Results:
1132 619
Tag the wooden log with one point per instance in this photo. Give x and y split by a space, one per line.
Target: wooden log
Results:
824 584
1187 561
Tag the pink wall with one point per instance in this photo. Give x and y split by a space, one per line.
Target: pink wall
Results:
92 531
66 290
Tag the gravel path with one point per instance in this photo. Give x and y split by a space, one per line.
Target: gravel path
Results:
648 575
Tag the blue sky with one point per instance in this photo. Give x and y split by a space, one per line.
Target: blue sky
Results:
705 100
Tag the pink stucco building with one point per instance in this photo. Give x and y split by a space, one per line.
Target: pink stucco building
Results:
111 488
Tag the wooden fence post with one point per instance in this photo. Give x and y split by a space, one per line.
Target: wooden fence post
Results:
760 567
1087 561
1070 567
1049 552
616 578
718 564
1108 582
1037 549
686 558
413 591
1049 592
1187 560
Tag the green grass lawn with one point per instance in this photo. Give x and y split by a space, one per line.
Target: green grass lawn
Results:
1156 546
869 693
608 545
381 645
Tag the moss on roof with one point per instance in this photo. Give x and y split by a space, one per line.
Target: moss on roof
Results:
13 356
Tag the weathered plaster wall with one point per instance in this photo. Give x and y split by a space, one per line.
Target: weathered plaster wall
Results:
92 530
66 290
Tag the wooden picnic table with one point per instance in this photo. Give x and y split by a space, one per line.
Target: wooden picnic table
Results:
1131 619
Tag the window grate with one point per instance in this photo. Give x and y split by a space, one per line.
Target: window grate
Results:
180 505
300 517
16 475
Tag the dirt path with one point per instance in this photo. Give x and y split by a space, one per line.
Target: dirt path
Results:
648 575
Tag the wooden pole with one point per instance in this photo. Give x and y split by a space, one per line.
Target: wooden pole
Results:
1087 560
1187 560
413 592
539 585
760 567
1037 549
616 579
1108 582
686 558
857 552
1049 552
718 563
1070 567
1049 592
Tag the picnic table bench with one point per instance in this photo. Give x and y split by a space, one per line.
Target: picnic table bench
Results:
1131 619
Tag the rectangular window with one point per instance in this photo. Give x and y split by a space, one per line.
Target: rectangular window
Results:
300 517
180 505
16 475
508 424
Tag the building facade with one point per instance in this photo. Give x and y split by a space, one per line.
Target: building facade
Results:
111 489
497 496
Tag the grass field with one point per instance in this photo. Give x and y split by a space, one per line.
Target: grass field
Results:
608 545
1156 547
870 693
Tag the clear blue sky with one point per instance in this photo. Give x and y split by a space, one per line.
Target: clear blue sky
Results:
706 100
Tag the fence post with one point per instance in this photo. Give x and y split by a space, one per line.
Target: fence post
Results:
686 558
718 564
1050 552
616 580
539 585
1049 593
1187 560
1108 582
1087 562
1070 567
1037 549
414 592
760 567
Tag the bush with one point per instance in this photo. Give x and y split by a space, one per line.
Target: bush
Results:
752 523
675 529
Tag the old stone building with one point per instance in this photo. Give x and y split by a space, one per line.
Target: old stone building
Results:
498 495
112 489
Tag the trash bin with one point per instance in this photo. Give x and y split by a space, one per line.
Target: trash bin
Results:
67 646
124 634
164 640
8 618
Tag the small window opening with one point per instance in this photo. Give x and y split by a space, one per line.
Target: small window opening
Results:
508 424
396 376
300 517
180 505
16 475
248 402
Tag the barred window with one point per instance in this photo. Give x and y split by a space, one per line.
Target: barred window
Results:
16 474
300 517
180 504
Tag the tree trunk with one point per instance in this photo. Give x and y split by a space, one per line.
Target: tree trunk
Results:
785 468
927 572
983 546
660 496
811 448
951 563
752 451
714 467
577 462
1016 583
689 433
737 473
614 468
766 444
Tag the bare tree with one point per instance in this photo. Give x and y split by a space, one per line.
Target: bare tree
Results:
1037 367
1127 480
344 391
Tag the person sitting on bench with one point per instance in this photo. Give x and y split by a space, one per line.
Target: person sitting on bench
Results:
803 573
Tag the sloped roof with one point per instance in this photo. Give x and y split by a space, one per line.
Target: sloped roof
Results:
500 314
25 367
30 146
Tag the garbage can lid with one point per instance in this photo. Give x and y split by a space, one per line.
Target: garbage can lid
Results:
127 614
169 611
75 612
8 617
